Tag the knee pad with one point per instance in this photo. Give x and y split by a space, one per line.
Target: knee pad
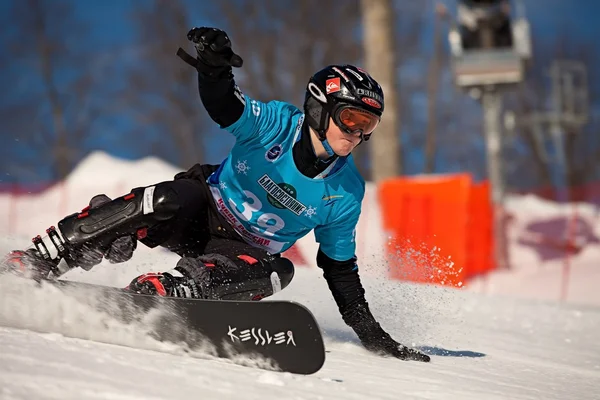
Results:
160 202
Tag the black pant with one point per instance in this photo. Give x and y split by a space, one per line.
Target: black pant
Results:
197 227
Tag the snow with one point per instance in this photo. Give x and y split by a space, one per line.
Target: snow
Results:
540 272
503 337
483 347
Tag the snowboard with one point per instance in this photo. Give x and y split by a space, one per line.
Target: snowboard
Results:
285 334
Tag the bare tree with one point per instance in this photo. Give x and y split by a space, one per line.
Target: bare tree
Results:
378 25
284 42
54 108
162 91
434 75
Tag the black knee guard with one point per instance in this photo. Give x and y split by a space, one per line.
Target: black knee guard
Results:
244 278
96 228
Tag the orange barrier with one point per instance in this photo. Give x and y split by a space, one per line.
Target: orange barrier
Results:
439 228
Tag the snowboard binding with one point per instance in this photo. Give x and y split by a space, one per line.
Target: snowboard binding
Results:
37 261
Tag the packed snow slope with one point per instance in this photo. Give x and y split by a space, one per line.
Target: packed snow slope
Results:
482 347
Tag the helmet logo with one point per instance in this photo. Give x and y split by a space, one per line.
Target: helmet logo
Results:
339 71
333 85
317 93
373 103
370 93
356 74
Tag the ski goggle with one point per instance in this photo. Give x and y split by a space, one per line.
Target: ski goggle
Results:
354 120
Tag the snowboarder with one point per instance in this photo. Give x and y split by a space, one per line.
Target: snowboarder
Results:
289 173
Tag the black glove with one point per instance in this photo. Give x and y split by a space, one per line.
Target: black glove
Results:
214 55
122 248
375 339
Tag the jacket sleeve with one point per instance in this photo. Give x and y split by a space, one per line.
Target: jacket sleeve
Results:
249 120
221 98
344 282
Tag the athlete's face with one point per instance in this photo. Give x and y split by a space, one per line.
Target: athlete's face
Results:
341 142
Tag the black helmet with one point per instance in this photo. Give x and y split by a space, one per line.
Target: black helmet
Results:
347 94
